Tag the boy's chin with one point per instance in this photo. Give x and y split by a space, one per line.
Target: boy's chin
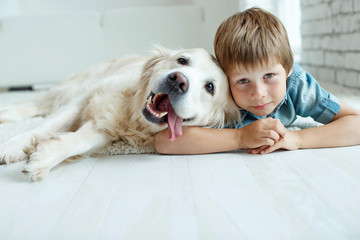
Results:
261 113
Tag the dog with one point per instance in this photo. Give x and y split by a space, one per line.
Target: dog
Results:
125 100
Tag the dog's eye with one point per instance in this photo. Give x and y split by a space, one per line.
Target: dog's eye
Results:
182 61
210 88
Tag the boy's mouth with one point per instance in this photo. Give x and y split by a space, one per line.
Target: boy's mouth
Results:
261 107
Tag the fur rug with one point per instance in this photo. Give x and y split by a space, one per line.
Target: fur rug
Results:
7 130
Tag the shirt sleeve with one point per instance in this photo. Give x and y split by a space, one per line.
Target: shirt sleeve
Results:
309 98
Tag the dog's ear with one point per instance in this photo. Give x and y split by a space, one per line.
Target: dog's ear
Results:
226 115
156 55
232 113
158 49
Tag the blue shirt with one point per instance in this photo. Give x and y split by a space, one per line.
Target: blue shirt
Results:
304 97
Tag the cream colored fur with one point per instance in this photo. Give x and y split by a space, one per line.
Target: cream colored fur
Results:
103 106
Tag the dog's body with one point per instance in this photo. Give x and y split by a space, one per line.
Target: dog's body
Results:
111 102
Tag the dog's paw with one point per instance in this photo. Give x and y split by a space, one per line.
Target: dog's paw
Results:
37 167
11 153
42 157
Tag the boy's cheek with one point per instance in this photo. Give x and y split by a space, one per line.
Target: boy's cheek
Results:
240 99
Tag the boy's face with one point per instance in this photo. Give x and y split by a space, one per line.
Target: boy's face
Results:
258 90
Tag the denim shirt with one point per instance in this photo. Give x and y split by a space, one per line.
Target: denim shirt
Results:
304 97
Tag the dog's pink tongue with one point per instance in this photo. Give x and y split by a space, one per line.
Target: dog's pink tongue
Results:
175 125
174 121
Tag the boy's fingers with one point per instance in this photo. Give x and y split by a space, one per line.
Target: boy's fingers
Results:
257 150
261 149
253 150
270 149
280 128
274 135
268 141
276 125
261 144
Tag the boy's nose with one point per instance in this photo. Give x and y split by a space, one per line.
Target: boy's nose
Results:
258 91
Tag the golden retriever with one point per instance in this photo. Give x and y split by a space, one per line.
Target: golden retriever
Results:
125 100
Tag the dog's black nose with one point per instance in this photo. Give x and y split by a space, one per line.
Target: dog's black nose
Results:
178 81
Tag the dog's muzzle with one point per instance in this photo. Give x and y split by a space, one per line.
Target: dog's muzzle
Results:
158 107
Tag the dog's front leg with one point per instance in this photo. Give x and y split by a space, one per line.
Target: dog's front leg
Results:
53 151
12 150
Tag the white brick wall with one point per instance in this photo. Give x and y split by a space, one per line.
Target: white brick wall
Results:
331 40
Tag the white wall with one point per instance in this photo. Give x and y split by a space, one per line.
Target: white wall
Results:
31 7
9 7
331 40
60 6
214 12
43 42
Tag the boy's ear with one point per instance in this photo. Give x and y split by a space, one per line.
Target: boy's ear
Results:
290 72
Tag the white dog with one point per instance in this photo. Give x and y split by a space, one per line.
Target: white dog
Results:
125 100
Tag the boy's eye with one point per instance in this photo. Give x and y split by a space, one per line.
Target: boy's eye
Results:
268 75
243 81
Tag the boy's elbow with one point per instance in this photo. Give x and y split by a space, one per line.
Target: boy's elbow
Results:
160 144
181 146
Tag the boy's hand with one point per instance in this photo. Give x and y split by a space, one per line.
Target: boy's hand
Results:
263 132
289 142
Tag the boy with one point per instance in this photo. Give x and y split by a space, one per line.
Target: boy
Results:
253 50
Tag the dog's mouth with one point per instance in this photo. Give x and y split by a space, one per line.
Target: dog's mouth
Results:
159 110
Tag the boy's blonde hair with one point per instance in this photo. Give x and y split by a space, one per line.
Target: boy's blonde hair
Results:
251 37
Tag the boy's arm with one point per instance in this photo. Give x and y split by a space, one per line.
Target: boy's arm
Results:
198 140
342 131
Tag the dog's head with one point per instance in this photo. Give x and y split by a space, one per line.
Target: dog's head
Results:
186 87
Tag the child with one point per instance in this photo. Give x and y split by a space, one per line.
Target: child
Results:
270 90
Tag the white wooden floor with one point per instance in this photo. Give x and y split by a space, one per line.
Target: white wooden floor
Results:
304 194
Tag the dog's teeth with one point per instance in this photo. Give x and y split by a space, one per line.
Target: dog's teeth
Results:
149 100
148 107
154 113
156 97
162 114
